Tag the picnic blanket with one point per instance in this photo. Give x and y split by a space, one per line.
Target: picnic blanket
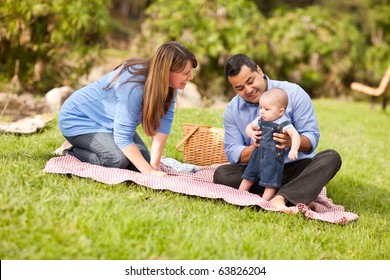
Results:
198 183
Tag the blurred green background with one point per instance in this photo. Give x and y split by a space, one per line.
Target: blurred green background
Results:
323 45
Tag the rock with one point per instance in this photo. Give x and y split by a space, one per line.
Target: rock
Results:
95 74
219 103
26 125
189 97
14 107
57 96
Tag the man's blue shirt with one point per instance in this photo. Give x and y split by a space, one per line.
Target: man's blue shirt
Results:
239 113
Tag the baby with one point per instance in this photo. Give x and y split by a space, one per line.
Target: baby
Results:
267 162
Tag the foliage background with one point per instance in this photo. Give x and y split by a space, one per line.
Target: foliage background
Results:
50 43
322 45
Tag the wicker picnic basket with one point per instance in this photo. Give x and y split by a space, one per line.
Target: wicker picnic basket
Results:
203 145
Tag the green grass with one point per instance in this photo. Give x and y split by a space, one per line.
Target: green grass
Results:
51 216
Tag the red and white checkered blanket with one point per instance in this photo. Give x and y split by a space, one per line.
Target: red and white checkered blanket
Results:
199 184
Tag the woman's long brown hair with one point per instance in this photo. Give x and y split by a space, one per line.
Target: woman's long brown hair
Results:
158 96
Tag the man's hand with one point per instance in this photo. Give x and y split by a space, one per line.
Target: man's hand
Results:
284 139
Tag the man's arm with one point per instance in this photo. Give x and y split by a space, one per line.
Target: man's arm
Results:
234 139
246 153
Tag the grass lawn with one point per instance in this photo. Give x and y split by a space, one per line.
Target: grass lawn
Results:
50 216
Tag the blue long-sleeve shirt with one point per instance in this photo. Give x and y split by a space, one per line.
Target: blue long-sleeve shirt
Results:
239 113
116 110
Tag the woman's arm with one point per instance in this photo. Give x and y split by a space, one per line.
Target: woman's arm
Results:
134 155
158 144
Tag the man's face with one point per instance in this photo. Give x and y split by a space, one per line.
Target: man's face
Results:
249 84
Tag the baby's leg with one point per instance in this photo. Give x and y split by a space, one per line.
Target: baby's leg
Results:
268 193
245 185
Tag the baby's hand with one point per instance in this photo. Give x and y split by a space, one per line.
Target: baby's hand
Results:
254 133
293 155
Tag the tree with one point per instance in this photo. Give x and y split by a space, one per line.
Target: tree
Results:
313 48
51 41
213 30
309 46
377 55
371 18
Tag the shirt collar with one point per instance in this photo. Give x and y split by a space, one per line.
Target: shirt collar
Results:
269 82
242 103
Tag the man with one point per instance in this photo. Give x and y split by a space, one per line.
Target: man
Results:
304 178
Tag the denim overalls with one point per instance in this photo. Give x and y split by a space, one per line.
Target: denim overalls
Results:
267 162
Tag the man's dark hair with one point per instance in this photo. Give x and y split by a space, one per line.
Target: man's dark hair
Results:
234 64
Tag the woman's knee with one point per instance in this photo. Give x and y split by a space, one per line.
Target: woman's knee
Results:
114 159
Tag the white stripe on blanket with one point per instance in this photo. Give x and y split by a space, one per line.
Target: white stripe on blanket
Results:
199 184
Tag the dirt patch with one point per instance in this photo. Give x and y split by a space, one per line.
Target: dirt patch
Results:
16 107
23 114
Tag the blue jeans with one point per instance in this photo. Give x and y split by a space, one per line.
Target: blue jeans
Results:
302 180
265 166
266 162
101 149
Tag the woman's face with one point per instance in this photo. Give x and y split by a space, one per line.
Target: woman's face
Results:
179 80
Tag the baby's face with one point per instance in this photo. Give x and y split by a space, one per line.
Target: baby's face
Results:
268 110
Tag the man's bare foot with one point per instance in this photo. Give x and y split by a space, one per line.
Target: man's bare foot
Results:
279 202
312 206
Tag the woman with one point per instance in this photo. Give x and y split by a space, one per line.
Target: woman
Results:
100 120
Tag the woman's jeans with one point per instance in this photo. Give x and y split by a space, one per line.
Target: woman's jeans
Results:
303 179
101 149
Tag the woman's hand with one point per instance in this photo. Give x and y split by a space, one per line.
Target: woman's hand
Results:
133 153
156 166
158 173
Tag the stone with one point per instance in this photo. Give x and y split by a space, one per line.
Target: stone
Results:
57 96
